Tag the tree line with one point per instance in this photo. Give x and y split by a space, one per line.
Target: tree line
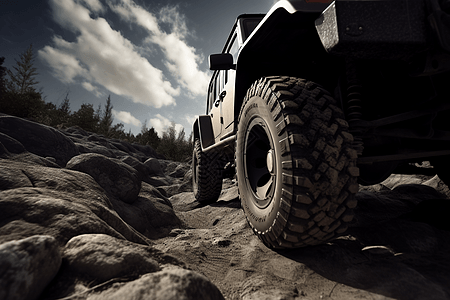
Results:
19 97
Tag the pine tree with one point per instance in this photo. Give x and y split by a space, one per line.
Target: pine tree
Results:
23 79
175 146
148 136
64 107
61 115
107 118
86 118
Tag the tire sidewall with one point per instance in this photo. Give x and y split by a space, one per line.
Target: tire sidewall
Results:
261 219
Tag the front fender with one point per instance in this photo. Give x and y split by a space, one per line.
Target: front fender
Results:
203 131
293 6
287 27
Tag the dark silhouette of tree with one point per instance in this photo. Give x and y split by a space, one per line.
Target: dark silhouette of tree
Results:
148 136
60 116
23 79
19 97
106 119
85 118
29 105
174 146
64 107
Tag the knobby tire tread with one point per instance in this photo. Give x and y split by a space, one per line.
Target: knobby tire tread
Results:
209 178
319 163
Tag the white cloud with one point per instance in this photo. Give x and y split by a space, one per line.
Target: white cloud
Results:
126 117
65 66
94 5
181 59
88 86
171 16
102 56
161 124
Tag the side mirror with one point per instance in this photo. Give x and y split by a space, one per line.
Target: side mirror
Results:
222 61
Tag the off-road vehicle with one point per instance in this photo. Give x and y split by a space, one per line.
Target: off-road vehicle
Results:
316 97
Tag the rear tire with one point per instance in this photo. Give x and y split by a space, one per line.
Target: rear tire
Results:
295 164
206 174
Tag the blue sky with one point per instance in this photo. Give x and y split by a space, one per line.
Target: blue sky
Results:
150 56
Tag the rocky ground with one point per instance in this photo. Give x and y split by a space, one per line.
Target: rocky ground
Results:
84 217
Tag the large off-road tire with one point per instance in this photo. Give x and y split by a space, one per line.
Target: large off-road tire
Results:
295 164
206 174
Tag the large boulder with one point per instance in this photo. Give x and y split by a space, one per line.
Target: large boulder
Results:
142 170
11 145
154 167
169 284
151 214
180 170
117 178
27 266
62 203
39 139
103 257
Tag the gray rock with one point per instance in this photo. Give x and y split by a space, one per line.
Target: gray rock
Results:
140 167
103 257
147 151
90 147
4 153
27 267
180 170
39 139
151 214
61 203
169 284
116 177
177 188
31 159
52 159
158 181
154 167
12 145
170 166
77 131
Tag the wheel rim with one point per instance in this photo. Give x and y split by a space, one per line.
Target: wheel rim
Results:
260 162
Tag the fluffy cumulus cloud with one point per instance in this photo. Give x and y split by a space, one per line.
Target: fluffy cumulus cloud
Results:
94 5
160 124
88 86
101 56
126 117
65 66
181 59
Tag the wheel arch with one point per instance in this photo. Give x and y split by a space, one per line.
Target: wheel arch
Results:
203 130
288 36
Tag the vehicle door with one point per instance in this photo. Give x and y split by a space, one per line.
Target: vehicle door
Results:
215 102
227 94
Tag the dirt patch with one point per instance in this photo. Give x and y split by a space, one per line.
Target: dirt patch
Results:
391 251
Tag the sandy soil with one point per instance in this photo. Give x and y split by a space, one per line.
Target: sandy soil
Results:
397 248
